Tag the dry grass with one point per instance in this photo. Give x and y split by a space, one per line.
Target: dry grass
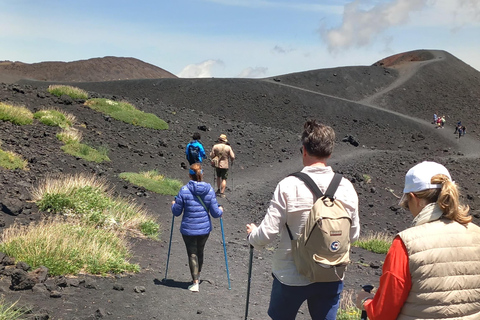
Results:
18 115
55 117
70 135
73 92
67 247
378 242
90 198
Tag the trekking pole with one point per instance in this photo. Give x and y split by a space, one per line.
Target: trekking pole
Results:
233 185
367 288
225 252
169 246
249 280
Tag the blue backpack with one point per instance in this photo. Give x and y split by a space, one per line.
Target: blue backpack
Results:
193 154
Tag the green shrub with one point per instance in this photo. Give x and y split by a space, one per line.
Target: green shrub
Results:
90 200
153 181
86 152
55 118
72 137
127 113
16 115
10 311
73 92
68 248
375 242
10 160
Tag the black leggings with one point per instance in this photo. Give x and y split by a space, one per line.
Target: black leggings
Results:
195 246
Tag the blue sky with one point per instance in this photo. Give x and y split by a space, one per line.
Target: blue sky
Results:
237 38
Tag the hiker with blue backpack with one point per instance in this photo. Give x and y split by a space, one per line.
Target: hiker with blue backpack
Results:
297 276
195 152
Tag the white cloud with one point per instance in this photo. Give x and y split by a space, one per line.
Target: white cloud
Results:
282 50
253 72
200 70
360 26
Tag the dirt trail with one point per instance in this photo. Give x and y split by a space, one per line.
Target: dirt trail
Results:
468 146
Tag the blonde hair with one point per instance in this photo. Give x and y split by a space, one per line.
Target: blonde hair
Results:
198 176
447 198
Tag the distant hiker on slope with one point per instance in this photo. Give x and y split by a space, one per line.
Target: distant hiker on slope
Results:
432 269
196 224
291 204
221 154
458 126
195 152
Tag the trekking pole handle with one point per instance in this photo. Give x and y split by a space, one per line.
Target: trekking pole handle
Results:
367 288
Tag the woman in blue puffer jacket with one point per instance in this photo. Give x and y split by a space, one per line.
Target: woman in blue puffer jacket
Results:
196 224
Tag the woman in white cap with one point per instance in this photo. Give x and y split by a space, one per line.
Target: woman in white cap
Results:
432 270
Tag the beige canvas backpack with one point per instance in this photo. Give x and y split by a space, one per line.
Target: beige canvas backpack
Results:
322 251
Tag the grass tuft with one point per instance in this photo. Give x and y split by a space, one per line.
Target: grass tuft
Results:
73 92
16 115
11 160
68 248
348 309
55 118
377 242
72 137
153 181
127 113
10 311
90 199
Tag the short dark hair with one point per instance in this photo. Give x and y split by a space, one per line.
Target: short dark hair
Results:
196 136
318 139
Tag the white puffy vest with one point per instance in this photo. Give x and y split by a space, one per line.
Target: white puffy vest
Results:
444 261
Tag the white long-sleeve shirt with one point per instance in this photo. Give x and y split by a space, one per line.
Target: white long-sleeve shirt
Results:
291 204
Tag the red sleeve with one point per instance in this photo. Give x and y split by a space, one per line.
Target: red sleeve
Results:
395 284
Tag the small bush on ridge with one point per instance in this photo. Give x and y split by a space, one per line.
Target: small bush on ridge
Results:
73 92
127 113
153 181
16 115
375 242
11 160
72 137
55 118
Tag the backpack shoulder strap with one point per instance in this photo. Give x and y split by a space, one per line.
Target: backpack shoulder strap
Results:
309 183
332 188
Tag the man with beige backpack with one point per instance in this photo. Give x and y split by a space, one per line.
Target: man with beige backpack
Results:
310 260
221 155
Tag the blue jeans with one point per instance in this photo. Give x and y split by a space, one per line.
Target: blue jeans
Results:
323 300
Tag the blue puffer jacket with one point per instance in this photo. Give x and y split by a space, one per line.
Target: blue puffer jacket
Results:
195 220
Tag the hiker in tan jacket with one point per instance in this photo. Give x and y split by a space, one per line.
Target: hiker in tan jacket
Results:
223 151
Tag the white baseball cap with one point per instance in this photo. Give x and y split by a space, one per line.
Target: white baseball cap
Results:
419 177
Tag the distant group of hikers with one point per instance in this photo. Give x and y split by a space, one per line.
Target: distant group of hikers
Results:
439 122
431 271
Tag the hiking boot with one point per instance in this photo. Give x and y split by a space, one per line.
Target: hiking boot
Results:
195 287
218 192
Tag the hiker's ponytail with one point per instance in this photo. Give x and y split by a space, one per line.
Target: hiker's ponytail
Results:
196 172
447 198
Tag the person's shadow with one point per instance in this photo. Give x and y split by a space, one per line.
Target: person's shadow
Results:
174 284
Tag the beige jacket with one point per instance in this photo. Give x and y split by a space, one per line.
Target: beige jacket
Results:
225 152
444 262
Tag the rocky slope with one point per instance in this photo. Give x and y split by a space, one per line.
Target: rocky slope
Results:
381 115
